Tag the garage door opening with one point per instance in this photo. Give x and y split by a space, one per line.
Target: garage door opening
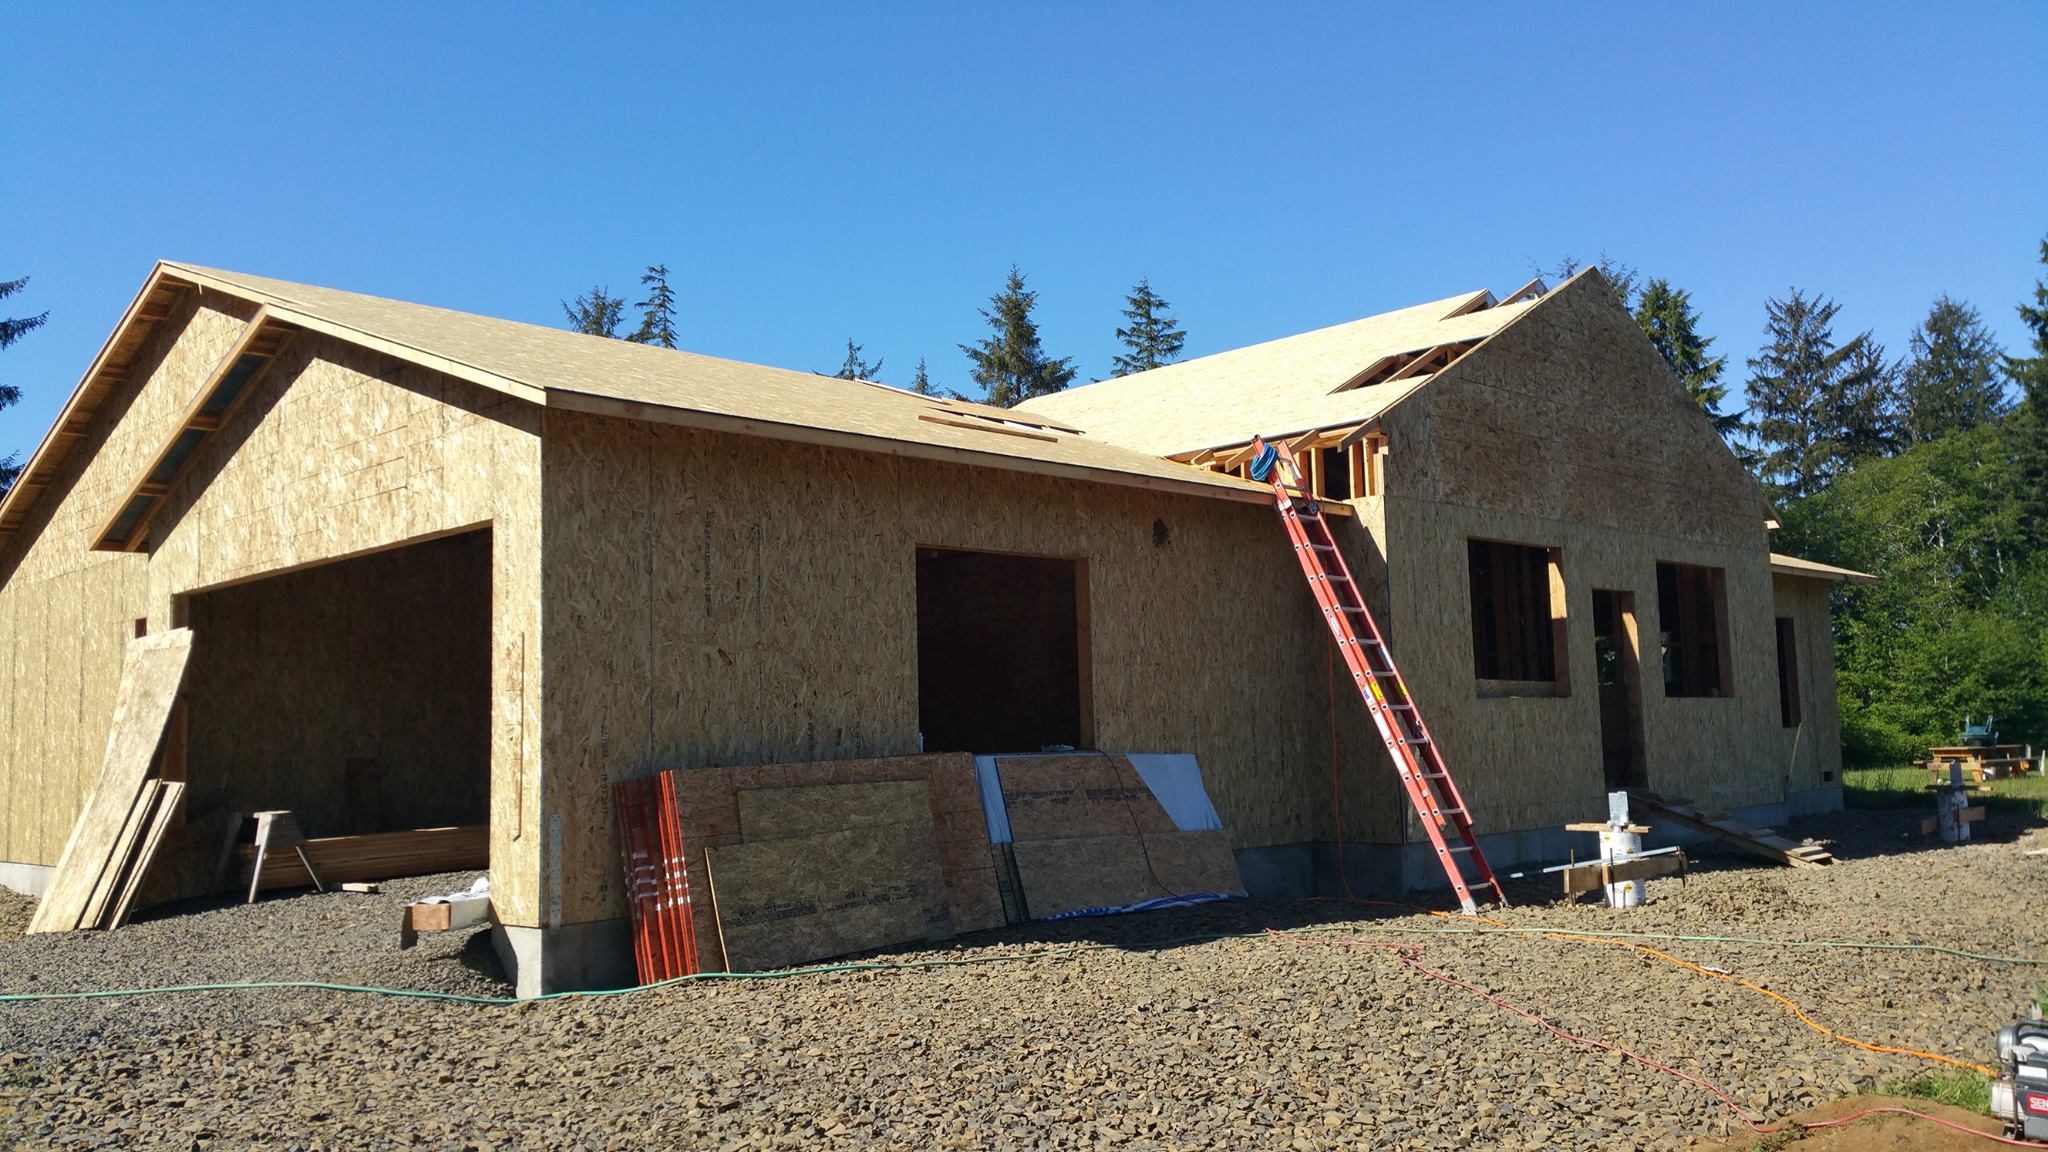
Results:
355 694
1002 652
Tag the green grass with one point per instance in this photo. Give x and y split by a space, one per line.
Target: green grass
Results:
1906 787
1959 1087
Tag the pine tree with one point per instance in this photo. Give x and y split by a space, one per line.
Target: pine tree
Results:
1952 379
921 383
2029 427
1666 316
595 313
658 311
857 368
1816 406
1011 365
1621 278
1154 337
1863 413
10 395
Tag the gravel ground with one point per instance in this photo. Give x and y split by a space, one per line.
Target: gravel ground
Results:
1107 1032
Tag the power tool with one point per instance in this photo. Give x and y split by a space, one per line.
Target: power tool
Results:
2020 1094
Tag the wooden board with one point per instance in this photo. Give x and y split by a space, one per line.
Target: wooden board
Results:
784 902
150 677
1592 877
1761 841
126 845
376 856
1085 872
1060 797
168 795
813 810
710 814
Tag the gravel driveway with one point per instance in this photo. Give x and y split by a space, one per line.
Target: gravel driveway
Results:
1134 1031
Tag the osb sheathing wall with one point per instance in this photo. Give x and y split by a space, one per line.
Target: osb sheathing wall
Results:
1819 740
338 451
1566 431
717 600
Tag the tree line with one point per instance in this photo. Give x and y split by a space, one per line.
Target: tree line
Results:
1010 364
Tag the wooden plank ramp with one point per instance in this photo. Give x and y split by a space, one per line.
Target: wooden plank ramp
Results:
1765 842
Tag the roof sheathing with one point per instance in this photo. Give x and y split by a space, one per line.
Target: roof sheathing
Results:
1278 388
587 373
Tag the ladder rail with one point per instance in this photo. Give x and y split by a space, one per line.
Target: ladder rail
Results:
1432 791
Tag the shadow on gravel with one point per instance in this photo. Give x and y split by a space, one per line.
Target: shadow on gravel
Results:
1863 833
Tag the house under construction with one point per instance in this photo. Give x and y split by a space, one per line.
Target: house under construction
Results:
442 569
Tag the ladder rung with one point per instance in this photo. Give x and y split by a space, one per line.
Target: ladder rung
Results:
1457 847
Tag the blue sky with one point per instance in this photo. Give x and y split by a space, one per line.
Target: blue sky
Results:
810 172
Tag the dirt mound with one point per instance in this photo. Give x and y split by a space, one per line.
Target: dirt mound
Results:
1883 1132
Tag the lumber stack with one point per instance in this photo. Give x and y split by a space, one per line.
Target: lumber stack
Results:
1765 842
1088 836
783 864
115 839
375 856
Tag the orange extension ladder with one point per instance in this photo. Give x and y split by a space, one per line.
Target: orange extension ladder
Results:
1430 788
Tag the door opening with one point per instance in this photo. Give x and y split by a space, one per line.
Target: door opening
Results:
1617 658
1002 652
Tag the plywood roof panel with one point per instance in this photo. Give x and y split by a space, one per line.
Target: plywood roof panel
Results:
1276 388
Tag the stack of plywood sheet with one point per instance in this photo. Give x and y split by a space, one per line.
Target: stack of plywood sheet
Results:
117 835
807 861
1088 835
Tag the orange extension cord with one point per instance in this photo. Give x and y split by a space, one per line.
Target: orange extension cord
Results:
1406 956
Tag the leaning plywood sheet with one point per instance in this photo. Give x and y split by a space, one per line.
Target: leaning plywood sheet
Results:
122 858
1098 873
1088 795
813 810
710 812
150 677
785 902
168 795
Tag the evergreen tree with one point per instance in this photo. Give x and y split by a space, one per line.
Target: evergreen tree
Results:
1862 413
921 382
658 311
1952 379
2029 426
1011 365
10 395
1666 316
595 313
1814 404
856 368
1620 277
1154 337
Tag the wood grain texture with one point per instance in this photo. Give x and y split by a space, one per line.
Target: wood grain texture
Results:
790 813
708 799
150 678
1054 797
169 795
785 902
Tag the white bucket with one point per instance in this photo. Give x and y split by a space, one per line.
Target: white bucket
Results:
1949 805
1620 844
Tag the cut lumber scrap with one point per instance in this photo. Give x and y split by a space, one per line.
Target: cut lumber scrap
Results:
151 674
465 909
169 793
1761 841
780 903
1061 797
378 856
1593 875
